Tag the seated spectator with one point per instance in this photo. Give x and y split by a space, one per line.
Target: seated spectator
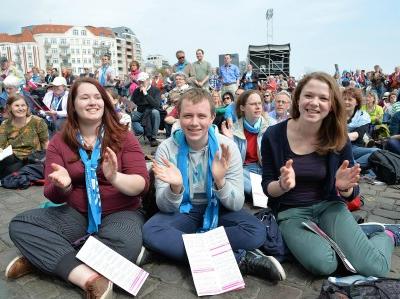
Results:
93 147
220 108
247 133
393 143
134 68
86 73
358 122
268 104
249 79
199 187
309 173
387 106
373 109
158 82
181 85
56 100
283 101
26 134
230 110
146 119
124 118
172 116
66 72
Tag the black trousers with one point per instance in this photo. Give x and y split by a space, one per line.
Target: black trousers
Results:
45 236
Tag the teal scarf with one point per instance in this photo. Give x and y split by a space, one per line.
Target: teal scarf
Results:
254 129
92 184
210 220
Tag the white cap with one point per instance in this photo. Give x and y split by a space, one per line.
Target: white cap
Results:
143 76
11 80
58 81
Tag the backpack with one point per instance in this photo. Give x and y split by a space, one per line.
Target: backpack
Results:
386 166
274 244
382 288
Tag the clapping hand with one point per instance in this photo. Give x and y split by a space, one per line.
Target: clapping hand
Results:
110 165
346 177
60 176
220 165
226 129
168 173
288 177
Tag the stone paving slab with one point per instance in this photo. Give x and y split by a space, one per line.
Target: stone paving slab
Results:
166 280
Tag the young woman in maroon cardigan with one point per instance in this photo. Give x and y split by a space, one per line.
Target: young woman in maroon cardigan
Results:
97 168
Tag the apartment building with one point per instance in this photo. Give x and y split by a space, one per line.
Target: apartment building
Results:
76 47
158 60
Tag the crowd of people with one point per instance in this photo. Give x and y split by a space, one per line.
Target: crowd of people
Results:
309 140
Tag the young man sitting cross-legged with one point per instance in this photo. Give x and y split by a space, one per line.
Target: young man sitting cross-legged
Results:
199 186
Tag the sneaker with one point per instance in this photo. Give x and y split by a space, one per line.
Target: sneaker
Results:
370 228
154 142
99 288
258 264
18 267
145 257
395 229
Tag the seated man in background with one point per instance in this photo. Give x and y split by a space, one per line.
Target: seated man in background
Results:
199 186
283 102
146 119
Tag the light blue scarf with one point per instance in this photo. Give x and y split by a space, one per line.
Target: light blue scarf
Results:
210 220
92 184
254 129
103 76
360 118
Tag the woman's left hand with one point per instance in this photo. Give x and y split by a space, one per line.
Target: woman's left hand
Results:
347 178
110 165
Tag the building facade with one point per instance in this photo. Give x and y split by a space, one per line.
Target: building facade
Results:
158 60
75 47
128 48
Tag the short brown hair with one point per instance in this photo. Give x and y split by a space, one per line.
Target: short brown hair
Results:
13 99
134 62
196 95
332 135
242 100
355 93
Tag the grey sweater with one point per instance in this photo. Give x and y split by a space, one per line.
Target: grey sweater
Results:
231 195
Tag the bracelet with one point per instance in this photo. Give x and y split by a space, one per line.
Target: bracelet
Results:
280 185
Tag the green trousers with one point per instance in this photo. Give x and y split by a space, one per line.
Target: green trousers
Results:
370 257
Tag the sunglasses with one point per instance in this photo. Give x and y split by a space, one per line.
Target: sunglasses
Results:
182 57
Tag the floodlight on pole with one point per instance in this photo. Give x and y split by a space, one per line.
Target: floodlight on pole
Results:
270 24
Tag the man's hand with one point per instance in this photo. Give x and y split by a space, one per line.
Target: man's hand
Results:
220 165
169 174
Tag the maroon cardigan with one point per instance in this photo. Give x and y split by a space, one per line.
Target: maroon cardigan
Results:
130 161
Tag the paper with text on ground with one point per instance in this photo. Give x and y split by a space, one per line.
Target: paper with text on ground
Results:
6 152
213 265
259 198
112 265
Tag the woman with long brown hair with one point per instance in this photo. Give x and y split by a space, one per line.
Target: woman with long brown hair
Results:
309 173
96 167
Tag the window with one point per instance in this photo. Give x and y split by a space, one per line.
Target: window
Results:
77 51
75 32
29 47
30 64
63 41
72 51
29 55
84 51
54 41
46 40
85 60
55 60
96 42
89 60
54 51
89 51
78 60
96 52
83 32
73 60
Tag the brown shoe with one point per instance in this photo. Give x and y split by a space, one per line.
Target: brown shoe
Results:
99 288
18 267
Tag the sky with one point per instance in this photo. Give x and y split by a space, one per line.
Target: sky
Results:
355 34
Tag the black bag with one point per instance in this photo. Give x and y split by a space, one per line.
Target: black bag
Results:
383 288
386 166
274 244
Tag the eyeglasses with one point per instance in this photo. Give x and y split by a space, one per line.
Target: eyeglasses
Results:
182 57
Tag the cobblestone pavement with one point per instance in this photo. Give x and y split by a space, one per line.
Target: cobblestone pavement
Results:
171 281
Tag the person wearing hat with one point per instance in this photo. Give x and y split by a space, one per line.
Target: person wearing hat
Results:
56 101
146 118
7 69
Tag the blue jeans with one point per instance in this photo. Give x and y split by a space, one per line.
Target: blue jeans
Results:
247 168
155 122
393 145
163 232
361 155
